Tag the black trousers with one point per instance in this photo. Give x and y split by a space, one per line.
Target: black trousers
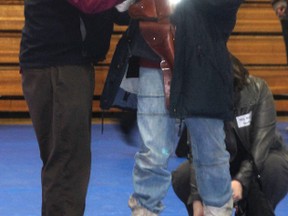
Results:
60 106
274 186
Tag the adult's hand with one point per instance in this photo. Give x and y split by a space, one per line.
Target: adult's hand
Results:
198 208
237 190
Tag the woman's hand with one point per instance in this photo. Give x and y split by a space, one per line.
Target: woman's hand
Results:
198 208
237 190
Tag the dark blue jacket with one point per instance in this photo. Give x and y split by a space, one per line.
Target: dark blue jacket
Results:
202 83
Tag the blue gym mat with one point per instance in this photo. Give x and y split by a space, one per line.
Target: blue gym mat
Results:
111 175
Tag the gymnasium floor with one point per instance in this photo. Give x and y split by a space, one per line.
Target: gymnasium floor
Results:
110 183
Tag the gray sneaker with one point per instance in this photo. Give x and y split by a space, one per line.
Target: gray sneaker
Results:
138 210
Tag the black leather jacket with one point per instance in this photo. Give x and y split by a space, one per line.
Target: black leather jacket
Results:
255 125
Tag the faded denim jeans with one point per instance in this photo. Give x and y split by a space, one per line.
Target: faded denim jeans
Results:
210 159
151 177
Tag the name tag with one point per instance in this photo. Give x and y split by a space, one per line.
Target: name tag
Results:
244 120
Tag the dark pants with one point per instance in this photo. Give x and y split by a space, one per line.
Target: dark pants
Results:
274 183
284 24
60 106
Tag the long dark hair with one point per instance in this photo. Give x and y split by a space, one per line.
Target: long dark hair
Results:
240 74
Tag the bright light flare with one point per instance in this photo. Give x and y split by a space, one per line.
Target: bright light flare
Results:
174 2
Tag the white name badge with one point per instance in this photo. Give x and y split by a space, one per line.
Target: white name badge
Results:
244 120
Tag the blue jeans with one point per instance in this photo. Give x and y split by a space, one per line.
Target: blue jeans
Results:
210 160
159 136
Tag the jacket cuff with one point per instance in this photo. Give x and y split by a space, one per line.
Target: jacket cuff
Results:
192 198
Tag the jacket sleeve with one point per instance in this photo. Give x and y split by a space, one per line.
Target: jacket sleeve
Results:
221 12
262 133
98 30
264 126
94 6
